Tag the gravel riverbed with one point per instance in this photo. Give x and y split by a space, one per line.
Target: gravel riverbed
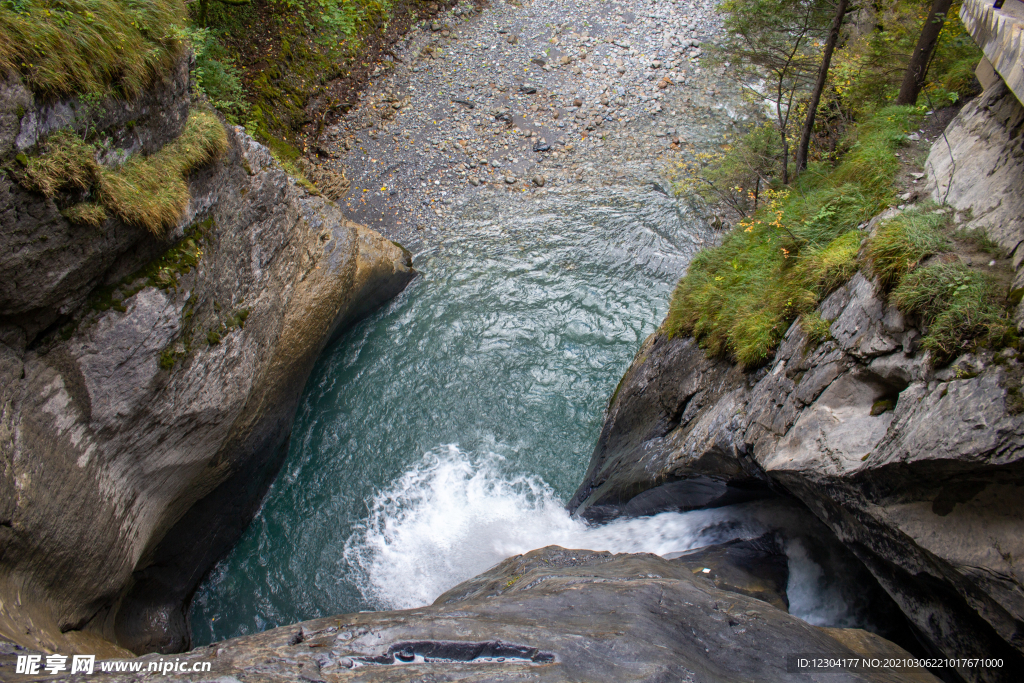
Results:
511 100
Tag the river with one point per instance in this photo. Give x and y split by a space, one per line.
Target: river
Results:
446 431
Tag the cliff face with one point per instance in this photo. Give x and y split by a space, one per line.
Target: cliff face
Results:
917 470
148 386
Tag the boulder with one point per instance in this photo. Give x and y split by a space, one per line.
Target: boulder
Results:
552 615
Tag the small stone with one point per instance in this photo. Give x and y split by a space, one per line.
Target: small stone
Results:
474 181
527 89
564 59
539 180
577 102
542 147
510 179
435 26
538 61
656 64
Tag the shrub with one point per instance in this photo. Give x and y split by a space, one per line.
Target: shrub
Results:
901 243
959 307
738 299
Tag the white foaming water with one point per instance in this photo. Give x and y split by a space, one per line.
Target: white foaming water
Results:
812 597
450 518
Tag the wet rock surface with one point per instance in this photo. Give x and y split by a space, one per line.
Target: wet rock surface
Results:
916 470
550 615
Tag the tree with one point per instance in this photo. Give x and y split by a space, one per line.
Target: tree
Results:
770 41
913 77
819 85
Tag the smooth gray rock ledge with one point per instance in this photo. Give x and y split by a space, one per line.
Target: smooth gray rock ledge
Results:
550 615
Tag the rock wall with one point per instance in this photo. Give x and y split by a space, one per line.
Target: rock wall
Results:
148 386
916 470
978 165
552 615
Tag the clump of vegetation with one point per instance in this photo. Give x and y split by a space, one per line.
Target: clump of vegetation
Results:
66 160
737 175
815 327
262 62
960 307
235 320
148 191
738 299
870 64
86 213
901 243
80 46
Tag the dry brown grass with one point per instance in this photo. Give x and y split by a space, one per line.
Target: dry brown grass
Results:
148 191
76 46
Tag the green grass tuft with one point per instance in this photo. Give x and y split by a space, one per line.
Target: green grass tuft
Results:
816 328
960 308
153 191
67 161
63 47
148 191
86 213
901 243
739 299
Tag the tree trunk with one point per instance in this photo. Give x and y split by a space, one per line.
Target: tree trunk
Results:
819 85
913 77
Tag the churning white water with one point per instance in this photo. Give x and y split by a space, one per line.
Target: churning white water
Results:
453 516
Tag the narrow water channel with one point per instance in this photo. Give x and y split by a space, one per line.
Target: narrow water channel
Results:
445 432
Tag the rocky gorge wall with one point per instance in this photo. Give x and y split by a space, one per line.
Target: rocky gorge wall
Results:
149 385
917 469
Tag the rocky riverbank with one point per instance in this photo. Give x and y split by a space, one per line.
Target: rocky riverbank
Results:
526 99
557 615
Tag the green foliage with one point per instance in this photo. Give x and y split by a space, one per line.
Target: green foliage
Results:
960 78
63 47
960 308
162 272
68 160
86 213
280 54
153 191
216 75
148 191
869 65
901 243
775 44
737 174
815 327
738 299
